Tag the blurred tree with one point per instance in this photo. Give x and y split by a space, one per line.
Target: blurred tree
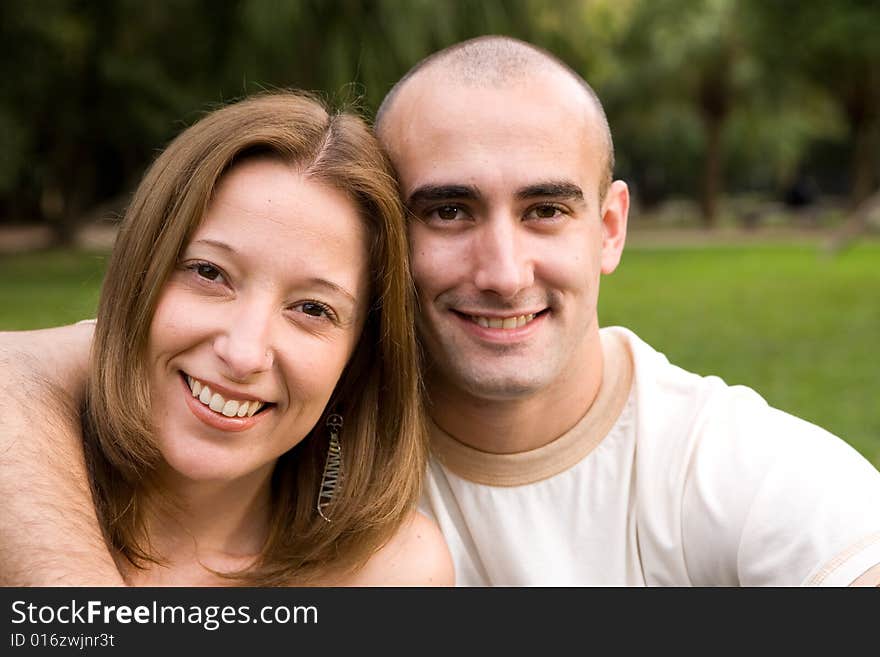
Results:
354 50
99 85
686 63
701 94
834 46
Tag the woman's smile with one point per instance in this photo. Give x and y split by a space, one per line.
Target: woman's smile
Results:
223 401
224 419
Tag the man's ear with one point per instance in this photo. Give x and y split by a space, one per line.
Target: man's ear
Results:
615 210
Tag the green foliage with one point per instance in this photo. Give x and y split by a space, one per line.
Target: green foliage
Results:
95 88
834 48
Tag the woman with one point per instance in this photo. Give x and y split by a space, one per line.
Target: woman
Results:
253 414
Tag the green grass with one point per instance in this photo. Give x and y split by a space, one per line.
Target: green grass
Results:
801 329
48 288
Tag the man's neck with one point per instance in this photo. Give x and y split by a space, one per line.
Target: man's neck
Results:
510 426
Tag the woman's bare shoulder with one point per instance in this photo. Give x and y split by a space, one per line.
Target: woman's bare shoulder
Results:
416 555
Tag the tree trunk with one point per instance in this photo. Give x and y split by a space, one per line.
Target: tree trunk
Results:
864 198
862 164
711 170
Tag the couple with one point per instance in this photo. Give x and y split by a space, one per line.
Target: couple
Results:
253 410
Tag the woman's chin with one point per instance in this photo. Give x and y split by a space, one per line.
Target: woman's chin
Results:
195 464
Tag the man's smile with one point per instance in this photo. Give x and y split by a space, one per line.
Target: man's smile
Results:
508 322
504 328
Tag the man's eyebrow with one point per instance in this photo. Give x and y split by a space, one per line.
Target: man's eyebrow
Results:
554 189
428 193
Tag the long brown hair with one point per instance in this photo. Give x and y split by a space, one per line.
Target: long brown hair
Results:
378 393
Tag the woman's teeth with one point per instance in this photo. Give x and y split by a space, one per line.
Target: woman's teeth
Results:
503 322
216 402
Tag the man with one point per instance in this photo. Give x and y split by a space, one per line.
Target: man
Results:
563 455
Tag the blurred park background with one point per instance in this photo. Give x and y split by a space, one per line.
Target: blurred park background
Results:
749 132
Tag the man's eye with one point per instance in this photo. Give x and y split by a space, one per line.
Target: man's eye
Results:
546 211
447 212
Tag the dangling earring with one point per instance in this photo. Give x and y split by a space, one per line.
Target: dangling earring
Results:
333 466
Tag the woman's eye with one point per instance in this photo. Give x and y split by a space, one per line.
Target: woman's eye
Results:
207 271
316 309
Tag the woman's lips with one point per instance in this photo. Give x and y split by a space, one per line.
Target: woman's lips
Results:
216 419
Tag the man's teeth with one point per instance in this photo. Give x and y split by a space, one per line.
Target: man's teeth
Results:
503 322
216 402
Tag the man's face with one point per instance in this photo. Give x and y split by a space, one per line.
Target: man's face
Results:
508 238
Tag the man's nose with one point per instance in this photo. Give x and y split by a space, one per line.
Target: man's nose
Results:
503 265
244 344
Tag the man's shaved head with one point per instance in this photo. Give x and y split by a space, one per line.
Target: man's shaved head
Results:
496 61
503 156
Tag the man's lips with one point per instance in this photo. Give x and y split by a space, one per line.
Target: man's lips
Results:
509 327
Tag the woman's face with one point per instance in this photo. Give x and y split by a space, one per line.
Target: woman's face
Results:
261 314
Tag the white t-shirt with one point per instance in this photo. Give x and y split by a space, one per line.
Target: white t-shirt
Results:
670 479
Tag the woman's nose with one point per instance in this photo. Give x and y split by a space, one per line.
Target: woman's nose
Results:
244 344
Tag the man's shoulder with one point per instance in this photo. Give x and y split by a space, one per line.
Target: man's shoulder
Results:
757 495
676 407
670 397
653 370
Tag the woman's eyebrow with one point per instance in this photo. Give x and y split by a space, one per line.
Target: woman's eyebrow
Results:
216 243
317 281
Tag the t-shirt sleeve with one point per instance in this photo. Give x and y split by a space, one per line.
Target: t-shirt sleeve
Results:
772 500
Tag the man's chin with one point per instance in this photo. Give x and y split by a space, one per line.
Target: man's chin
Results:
492 386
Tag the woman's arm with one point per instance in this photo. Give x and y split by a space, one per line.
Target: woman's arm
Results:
49 533
416 556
